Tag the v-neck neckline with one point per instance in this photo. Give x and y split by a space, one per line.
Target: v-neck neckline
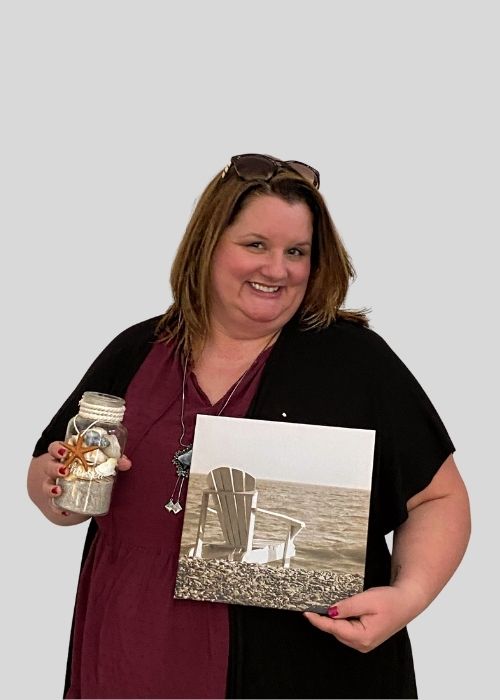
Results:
194 380
243 379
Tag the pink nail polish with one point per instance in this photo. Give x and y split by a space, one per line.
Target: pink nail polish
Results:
333 611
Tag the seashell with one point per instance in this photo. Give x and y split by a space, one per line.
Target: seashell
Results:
113 449
95 457
107 468
96 437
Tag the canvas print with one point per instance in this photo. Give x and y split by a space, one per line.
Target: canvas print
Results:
276 513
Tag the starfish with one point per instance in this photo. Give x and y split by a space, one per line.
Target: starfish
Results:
77 453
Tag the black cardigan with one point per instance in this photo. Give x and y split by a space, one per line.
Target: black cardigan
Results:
344 376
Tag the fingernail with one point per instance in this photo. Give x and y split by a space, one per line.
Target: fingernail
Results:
54 489
333 611
61 451
63 512
62 471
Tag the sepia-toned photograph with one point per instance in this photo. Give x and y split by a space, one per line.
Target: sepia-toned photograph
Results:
276 513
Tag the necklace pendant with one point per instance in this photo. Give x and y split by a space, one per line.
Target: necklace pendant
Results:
182 461
173 507
169 506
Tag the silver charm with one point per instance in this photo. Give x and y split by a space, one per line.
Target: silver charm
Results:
173 507
182 463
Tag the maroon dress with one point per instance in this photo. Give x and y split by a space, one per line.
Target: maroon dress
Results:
132 639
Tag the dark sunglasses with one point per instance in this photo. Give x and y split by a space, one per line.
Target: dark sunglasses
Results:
254 166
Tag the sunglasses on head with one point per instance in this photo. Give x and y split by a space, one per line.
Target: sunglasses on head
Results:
254 166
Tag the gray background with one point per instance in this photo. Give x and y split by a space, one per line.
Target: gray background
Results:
114 117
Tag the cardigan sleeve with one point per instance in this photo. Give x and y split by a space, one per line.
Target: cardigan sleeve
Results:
110 373
412 440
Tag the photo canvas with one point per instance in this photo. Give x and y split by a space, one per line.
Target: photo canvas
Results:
276 513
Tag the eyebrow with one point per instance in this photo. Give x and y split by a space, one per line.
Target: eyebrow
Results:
265 238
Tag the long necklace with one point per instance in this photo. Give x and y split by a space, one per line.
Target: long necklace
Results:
182 458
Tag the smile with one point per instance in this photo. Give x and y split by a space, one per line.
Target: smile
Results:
263 288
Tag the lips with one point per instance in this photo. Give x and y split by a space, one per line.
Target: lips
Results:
264 288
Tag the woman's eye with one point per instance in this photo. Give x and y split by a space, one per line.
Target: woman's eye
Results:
295 252
255 244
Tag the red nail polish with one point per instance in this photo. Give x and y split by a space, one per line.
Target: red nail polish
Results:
54 490
63 471
63 512
333 611
61 451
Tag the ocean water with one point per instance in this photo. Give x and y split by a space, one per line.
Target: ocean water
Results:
336 522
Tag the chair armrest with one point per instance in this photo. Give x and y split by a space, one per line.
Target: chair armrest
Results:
232 493
280 515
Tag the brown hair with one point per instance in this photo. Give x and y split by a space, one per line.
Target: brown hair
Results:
188 318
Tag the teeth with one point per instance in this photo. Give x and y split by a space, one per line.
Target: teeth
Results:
263 287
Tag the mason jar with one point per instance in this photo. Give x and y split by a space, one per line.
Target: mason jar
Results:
95 441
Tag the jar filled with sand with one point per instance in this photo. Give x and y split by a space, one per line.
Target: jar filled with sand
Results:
95 440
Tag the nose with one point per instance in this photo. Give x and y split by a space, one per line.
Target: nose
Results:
274 268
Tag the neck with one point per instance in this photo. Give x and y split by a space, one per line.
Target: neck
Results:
233 347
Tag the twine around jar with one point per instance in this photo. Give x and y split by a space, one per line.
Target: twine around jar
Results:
104 414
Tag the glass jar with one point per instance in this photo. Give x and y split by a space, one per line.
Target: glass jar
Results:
95 440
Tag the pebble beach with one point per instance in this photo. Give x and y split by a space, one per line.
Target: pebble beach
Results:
219 580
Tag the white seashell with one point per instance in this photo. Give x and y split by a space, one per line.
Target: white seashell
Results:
107 468
114 449
95 457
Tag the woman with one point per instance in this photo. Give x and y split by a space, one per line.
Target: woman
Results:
256 329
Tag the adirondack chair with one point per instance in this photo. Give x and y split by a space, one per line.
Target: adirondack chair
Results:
234 497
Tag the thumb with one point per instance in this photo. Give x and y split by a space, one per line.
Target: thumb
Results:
355 606
124 463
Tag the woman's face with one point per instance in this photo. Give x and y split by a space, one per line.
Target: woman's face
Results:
261 267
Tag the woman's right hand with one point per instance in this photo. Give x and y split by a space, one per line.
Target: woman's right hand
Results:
43 488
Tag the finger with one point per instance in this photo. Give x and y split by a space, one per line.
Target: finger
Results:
62 513
355 606
51 489
57 470
351 631
322 622
54 467
124 463
348 632
57 450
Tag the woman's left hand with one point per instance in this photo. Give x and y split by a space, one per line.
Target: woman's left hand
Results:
366 620
427 549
